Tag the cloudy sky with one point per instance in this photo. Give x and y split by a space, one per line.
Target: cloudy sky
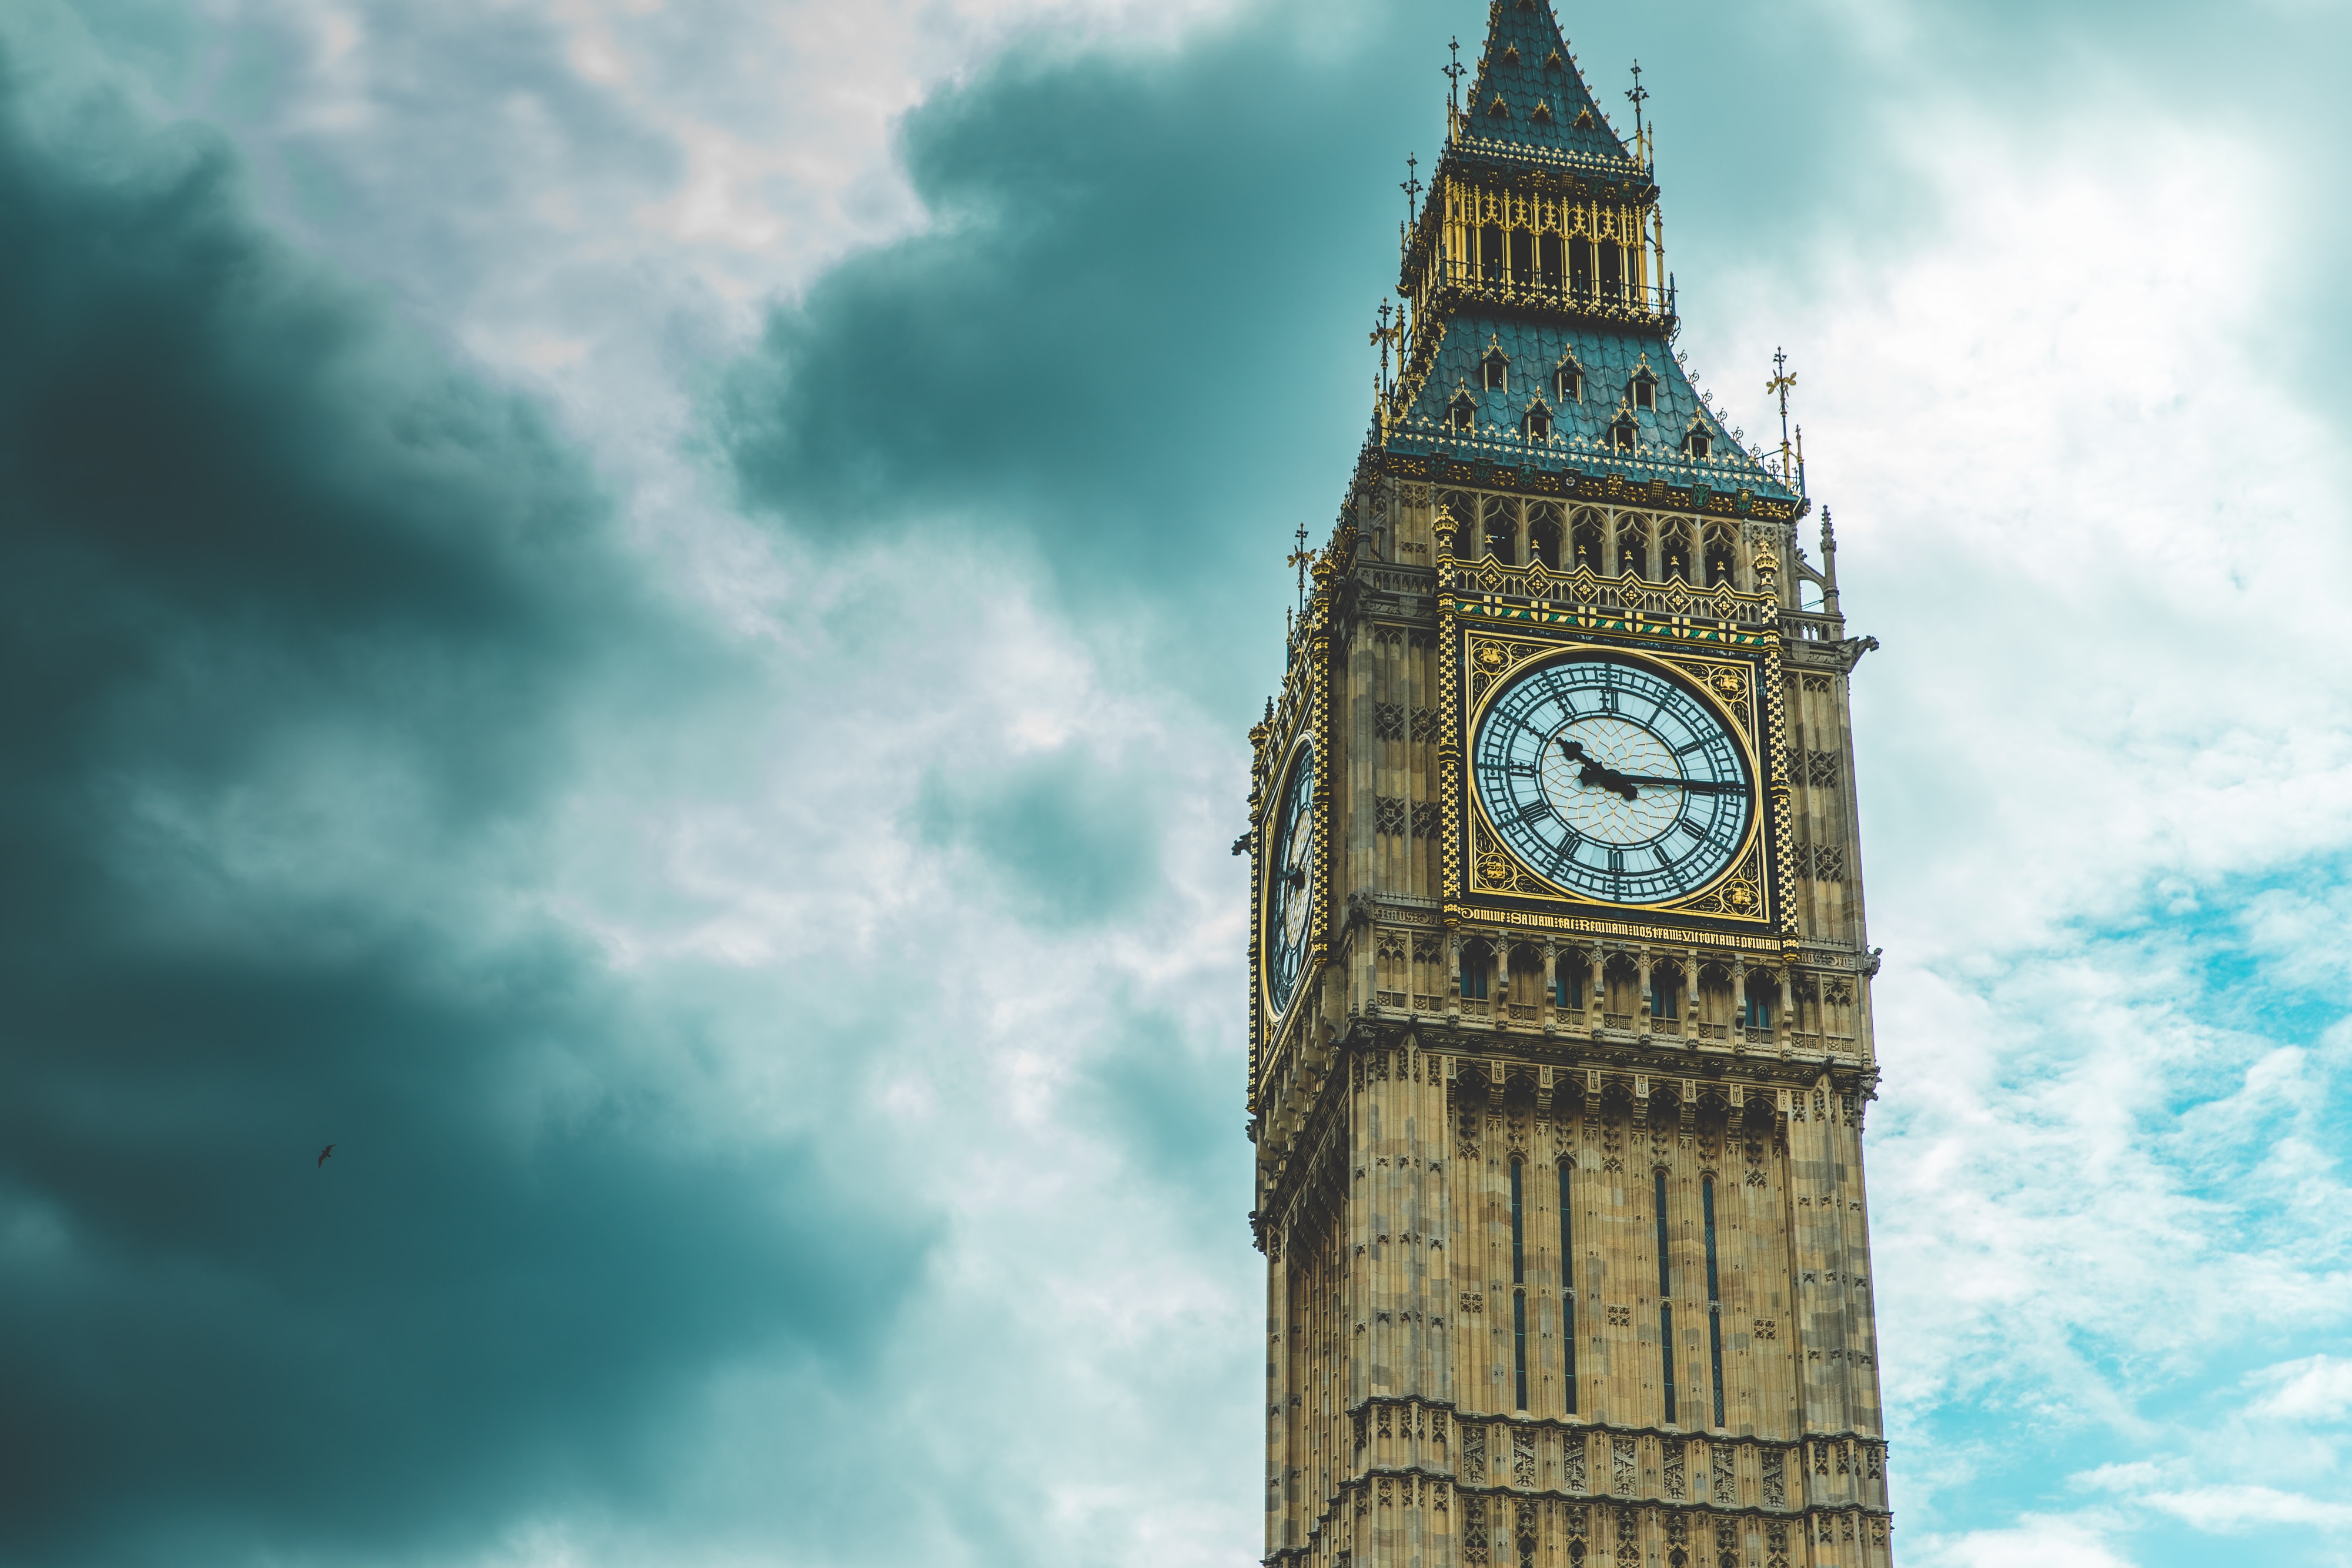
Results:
642 613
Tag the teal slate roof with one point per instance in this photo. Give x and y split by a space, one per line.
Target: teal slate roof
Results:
1529 27
1579 438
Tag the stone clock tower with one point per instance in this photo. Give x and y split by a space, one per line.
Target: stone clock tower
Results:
1559 995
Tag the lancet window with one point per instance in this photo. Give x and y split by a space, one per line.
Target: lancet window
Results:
1666 1291
1519 1281
1568 1285
1714 1298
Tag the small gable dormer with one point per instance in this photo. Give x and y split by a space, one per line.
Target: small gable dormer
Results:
1541 113
1511 54
1698 441
1552 62
1641 387
1621 432
1568 380
1537 421
1498 108
1463 411
1584 120
1495 371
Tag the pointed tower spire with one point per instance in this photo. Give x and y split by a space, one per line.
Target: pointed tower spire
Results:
1529 96
1539 331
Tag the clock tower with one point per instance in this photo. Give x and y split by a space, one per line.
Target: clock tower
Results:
1560 1003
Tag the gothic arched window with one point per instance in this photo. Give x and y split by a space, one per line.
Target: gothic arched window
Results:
1719 557
1677 565
1501 531
1543 535
1586 539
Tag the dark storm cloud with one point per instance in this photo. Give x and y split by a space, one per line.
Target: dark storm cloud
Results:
273 583
1125 344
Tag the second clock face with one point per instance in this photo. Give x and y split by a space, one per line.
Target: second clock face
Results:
1613 780
1290 882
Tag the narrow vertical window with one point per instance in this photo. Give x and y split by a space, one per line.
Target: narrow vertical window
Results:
1519 1281
1714 1298
1666 1308
1567 1290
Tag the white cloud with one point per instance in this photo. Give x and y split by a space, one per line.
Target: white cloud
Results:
2316 1388
2046 1543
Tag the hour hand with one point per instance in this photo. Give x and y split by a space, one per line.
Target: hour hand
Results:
1591 771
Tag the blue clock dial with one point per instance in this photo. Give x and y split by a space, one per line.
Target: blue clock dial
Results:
1613 780
1290 882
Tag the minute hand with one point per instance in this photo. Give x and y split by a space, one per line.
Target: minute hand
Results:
1695 786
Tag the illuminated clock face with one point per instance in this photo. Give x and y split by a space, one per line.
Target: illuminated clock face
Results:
1290 880
1613 780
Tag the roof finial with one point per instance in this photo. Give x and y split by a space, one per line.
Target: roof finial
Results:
1453 74
1783 378
1301 557
1411 186
1384 335
1640 95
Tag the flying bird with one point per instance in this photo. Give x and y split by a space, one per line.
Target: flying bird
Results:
324 1153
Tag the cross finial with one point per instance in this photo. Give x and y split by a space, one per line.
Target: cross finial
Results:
1783 378
1411 186
1454 75
1640 95
1384 335
1301 559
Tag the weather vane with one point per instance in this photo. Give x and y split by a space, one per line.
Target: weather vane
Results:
1384 334
1640 95
1783 378
1301 557
1453 76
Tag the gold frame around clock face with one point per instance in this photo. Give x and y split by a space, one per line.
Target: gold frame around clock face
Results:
1737 888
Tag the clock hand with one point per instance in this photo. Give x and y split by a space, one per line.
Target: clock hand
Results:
1596 772
1696 786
